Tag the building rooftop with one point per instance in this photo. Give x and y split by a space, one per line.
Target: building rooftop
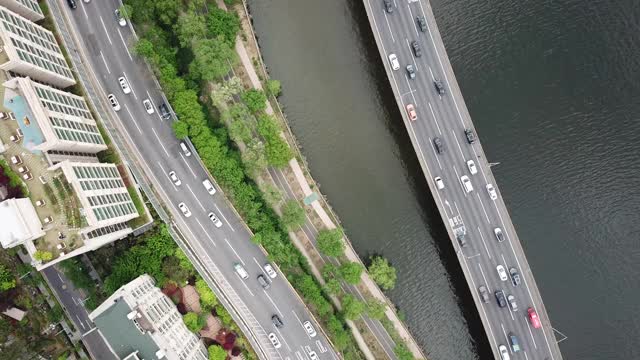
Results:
20 222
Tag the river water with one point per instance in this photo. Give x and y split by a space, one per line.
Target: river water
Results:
554 91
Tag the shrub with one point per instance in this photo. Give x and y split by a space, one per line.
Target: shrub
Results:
352 308
293 215
330 242
274 88
351 272
217 353
255 100
382 273
43 255
207 297
7 279
194 322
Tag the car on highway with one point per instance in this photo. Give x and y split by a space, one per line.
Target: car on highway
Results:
439 86
471 137
411 112
262 280
515 277
393 60
513 341
411 72
72 4
499 235
215 220
472 167
147 106
416 49
466 183
274 340
439 145
174 178
184 209
504 352
502 273
164 111
312 355
484 293
124 84
270 270
533 318
439 182
185 149
308 327
493 195
277 321
114 102
422 23
240 271
512 302
209 187
461 240
500 299
388 6
121 20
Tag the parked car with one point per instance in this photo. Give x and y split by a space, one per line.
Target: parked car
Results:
411 72
512 302
499 235
439 145
471 137
411 112
484 293
309 328
393 60
262 280
27 176
493 195
533 318
513 341
515 277
416 49
502 302
23 169
47 220
215 220
114 102
422 23
439 87
185 210
502 273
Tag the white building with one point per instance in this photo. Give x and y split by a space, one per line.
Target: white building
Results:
31 50
52 120
20 223
140 322
27 8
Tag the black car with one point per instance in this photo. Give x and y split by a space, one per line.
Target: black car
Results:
164 111
411 72
484 294
439 144
471 137
277 321
439 87
388 6
502 301
416 48
422 23
72 4
515 277
262 280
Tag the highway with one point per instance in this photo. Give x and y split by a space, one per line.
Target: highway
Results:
446 117
106 46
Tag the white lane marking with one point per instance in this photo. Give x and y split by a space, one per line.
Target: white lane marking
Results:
133 120
105 31
105 62
130 85
411 91
413 58
434 118
90 331
433 78
504 261
484 243
481 170
300 321
273 302
153 105
224 217
464 192
60 277
453 133
125 45
320 346
530 333
80 321
86 16
299 355
160 142
234 251
283 339
435 153
505 337
206 232
245 285
525 356
261 269
195 197
486 283
186 163
167 175
415 27
483 209
389 26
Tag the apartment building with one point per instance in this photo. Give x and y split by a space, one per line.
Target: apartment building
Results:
31 50
140 322
53 121
27 8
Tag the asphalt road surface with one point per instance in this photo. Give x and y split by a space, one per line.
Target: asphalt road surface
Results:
446 117
107 46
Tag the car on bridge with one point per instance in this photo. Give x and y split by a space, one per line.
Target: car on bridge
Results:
492 192
416 48
411 112
393 60
388 6
512 302
484 293
411 72
504 352
439 182
499 235
471 137
515 277
439 144
502 273
472 167
500 299
513 341
422 23
533 318
466 183
439 87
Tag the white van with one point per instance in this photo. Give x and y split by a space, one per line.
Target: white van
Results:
466 183
185 149
241 271
209 186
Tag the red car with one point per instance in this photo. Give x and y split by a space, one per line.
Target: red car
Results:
533 318
411 111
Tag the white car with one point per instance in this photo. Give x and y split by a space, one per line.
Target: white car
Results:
215 220
466 183
274 340
492 192
121 20
16 160
209 187
512 303
114 102
439 182
23 169
313 355
393 59
472 167
309 328
124 84
184 209
147 106
502 273
241 271
270 270
174 178
504 352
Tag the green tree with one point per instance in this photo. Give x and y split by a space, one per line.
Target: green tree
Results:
351 272
339 334
223 23
216 352
193 322
7 280
330 242
145 49
402 352
54 315
166 11
278 151
352 308
254 159
43 255
190 27
332 286
376 308
255 100
184 260
272 195
181 129
329 271
126 11
213 58
382 273
207 297
293 215
172 270
274 88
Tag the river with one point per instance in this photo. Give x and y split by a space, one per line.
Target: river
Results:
553 90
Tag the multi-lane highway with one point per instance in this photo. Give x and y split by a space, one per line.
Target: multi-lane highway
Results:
445 116
106 46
